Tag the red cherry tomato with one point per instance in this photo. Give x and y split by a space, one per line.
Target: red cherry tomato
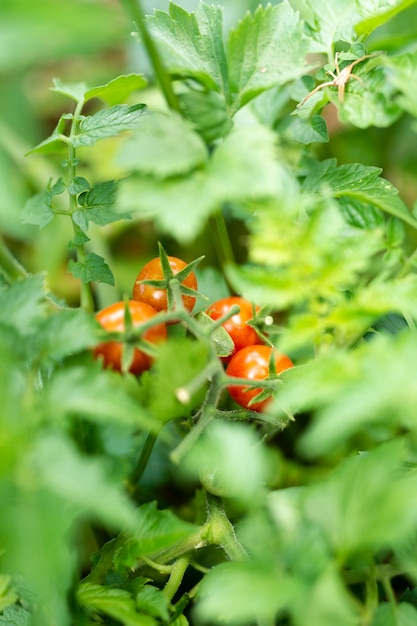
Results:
241 333
158 297
252 363
112 318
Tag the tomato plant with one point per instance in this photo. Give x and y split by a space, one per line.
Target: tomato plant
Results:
151 286
113 320
279 142
242 334
253 363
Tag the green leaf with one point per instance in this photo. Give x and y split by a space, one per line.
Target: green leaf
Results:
180 206
328 22
37 210
97 205
307 131
92 268
266 592
64 333
56 143
117 90
74 91
360 214
164 145
266 49
15 616
22 304
364 504
153 601
404 615
80 482
116 603
191 44
108 123
207 112
219 459
95 394
403 75
385 11
8 594
223 342
372 102
326 602
357 398
361 183
296 258
78 185
156 531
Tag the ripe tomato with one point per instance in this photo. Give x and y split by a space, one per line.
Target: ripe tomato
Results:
112 318
241 333
158 297
252 363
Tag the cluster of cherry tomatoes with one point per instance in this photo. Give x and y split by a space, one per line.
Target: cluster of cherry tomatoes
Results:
251 358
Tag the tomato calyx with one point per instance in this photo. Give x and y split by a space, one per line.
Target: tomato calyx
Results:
252 375
168 283
130 330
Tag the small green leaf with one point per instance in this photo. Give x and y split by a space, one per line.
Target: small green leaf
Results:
56 143
116 603
108 123
360 182
361 214
22 304
8 594
117 90
97 205
37 210
78 185
207 112
192 43
403 76
374 18
15 616
75 91
223 342
79 239
92 268
307 131
156 530
152 601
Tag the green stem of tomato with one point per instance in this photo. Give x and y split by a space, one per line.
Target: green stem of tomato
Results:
143 460
221 531
177 574
207 414
86 296
134 8
221 240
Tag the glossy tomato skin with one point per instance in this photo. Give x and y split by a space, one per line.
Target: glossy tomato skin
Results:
252 362
155 297
112 319
240 332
